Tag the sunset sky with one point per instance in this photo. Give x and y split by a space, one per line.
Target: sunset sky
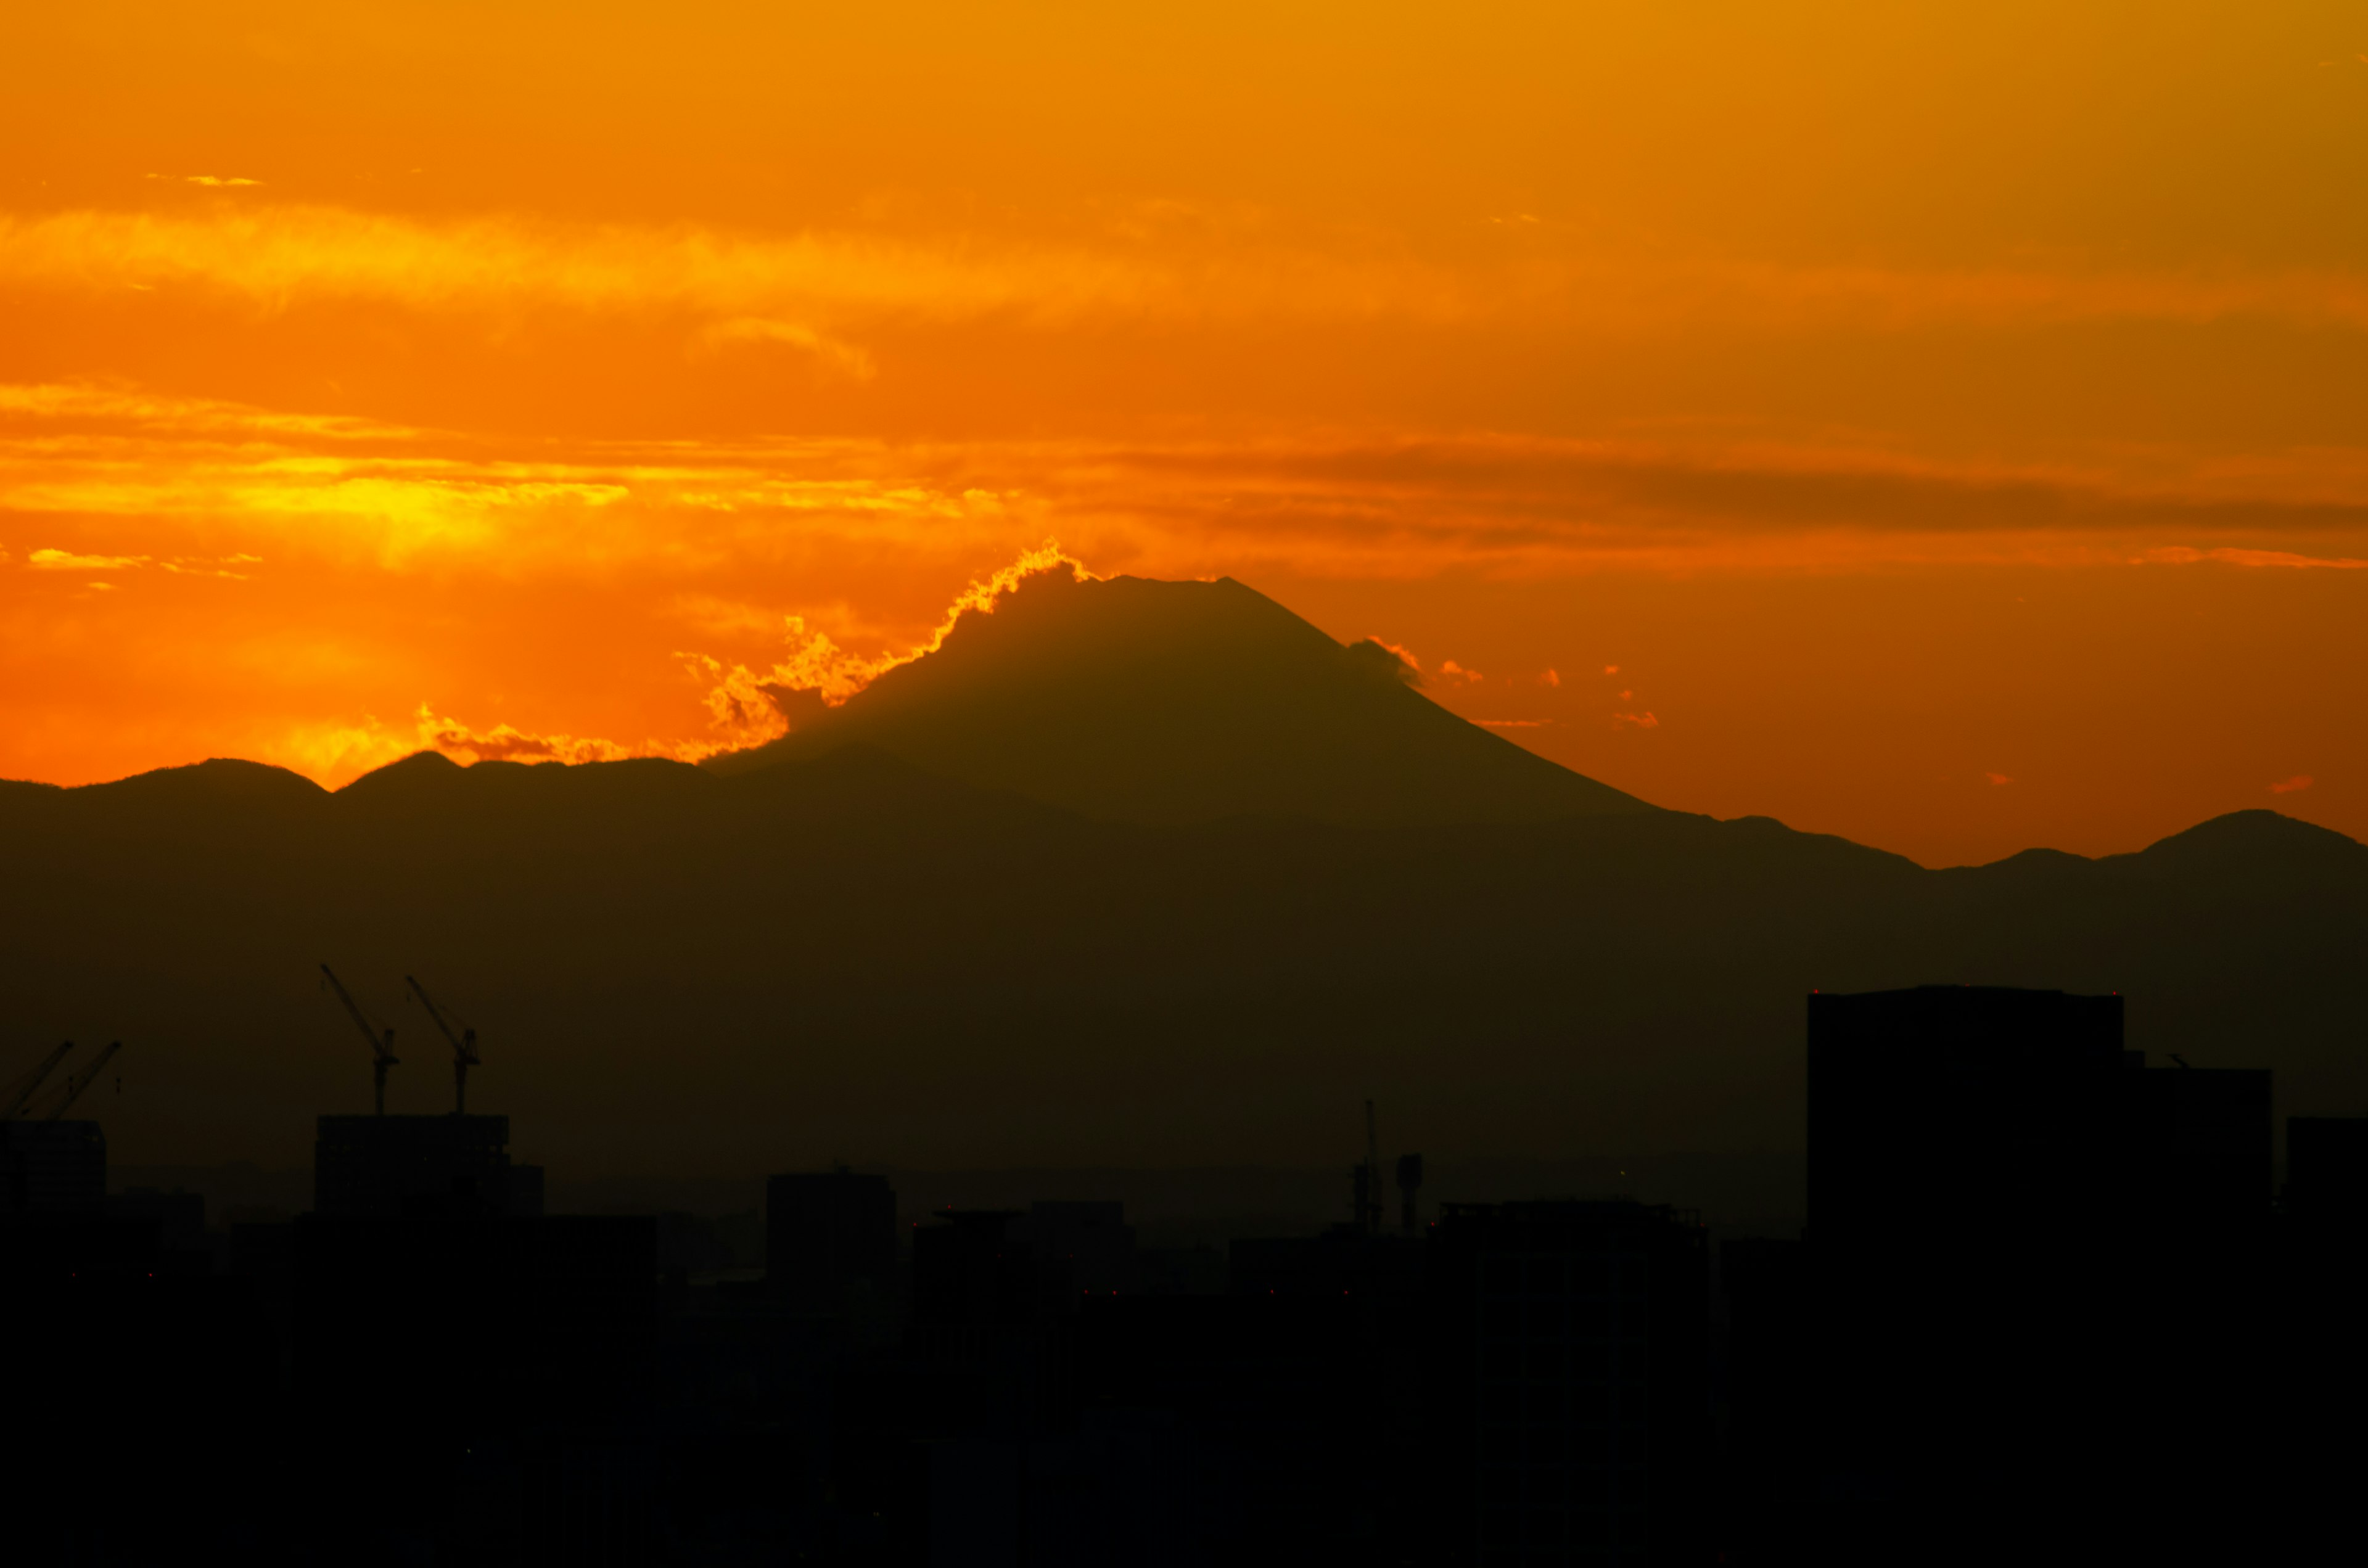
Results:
1944 426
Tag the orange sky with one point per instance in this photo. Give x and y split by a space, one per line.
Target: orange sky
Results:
1951 421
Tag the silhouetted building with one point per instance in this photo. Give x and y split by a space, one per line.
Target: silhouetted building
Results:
515 1319
977 1269
1410 1192
51 1167
2194 1147
383 1166
2317 1355
1569 1385
2002 1199
829 1233
2327 1170
1770 1396
1090 1243
431 1346
179 1217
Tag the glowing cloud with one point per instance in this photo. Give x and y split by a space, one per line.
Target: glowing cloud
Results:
844 358
2288 787
2182 555
747 704
67 560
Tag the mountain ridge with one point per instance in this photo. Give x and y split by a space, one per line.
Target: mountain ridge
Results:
214 780
851 954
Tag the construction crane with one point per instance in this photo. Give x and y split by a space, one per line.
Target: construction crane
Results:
21 1089
464 1045
381 1045
71 1090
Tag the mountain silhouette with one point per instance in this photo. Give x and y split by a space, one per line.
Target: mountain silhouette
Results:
1178 703
845 951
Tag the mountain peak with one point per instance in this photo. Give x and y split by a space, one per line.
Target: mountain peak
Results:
2256 839
420 769
1136 700
216 778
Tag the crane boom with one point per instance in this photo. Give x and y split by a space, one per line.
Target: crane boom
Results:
22 1088
74 1086
381 1044
464 1045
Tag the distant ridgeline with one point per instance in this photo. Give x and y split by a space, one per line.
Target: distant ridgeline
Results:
1128 873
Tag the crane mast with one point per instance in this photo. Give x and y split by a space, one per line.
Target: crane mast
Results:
381 1047
464 1045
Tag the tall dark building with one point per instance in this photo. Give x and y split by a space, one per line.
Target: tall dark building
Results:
51 1167
2327 1170
382 1165
827 1233
1569 1361
1089 1243
975 1269
2319 1356
2003 1203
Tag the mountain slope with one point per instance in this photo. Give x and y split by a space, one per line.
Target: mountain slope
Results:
1147 701
676 972
1125 873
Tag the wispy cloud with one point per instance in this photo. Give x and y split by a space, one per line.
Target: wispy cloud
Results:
2287 786
183 473
217 182
67 560
747 287
828 352
281 254
2183 555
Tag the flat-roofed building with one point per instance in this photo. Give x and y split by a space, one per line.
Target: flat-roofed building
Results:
384 1166
51 1167
1569 1343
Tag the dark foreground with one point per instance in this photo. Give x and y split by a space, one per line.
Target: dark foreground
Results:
2047 1303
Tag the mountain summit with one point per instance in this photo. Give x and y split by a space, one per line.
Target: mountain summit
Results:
1145 702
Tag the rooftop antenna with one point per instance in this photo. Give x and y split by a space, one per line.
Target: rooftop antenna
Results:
381 1045
71 1090
21 1089
464 1045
